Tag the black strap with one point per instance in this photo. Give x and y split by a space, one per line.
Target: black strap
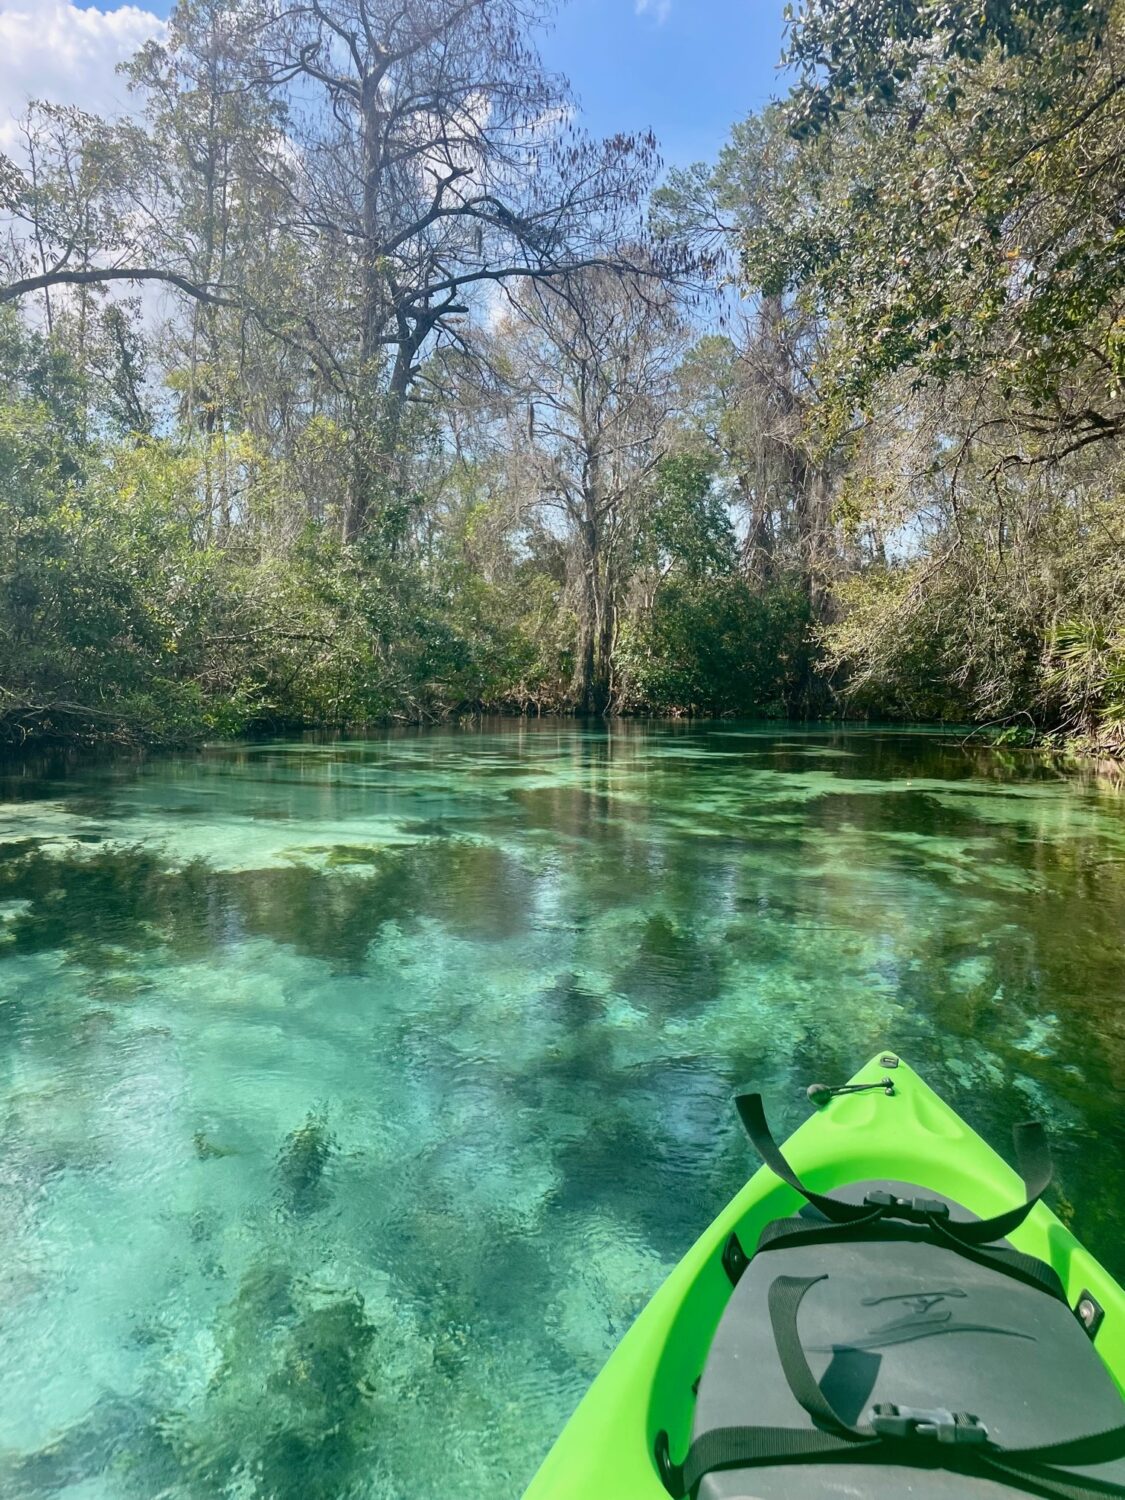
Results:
781 1233
1034 1158
1058 1486
785 1297
1032 1154
1025 1465
834 1439
746 1447
752 1113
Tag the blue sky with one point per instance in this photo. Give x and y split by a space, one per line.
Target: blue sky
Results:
689 76
686 68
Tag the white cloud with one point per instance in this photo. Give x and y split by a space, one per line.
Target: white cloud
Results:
49 49
659 10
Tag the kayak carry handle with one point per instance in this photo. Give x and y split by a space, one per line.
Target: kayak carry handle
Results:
820 1093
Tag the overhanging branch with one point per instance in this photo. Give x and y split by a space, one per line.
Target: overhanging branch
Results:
99 275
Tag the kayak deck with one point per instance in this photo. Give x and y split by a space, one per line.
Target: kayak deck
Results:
913 1135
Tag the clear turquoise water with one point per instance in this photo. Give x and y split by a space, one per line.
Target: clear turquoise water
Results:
356 1096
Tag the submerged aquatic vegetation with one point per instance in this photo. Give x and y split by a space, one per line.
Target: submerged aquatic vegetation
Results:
301 1163
115 1438
284 1415
208 1150
330 1172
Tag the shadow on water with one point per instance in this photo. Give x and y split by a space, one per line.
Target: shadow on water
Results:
357 1094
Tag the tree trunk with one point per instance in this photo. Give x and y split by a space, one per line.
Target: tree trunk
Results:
592 683
374 443
757 548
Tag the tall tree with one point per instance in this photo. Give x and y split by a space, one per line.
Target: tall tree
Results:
350 177
954 207
221 169
588 364
949 213
752 394
438 159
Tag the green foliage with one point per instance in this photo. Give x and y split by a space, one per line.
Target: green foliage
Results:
905 649
125 613
1087 670
703 639
687 526
116 620
869 50
950 209
976 631
329 499
719 647
929 218
99 590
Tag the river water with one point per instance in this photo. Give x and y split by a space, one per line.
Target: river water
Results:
357 1095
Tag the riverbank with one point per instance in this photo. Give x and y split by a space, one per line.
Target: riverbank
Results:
69 727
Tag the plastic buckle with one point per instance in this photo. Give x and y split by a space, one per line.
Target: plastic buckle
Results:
932 1208
889 1420
915 1210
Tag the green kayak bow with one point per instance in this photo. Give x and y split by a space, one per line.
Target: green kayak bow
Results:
885 1309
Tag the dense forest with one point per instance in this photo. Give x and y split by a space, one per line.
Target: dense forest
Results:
346 379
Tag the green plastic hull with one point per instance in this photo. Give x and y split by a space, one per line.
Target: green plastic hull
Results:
606 1449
